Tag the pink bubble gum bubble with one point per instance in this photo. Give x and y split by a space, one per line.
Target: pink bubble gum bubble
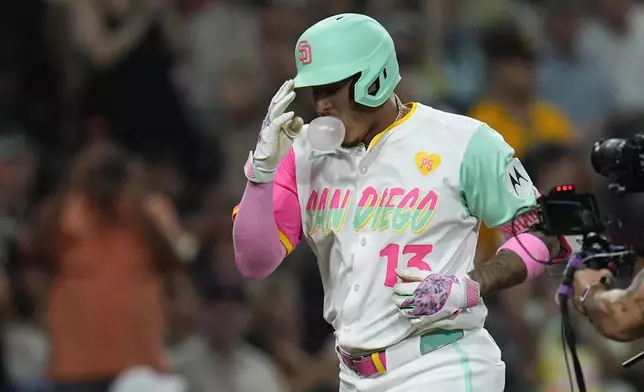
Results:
326 133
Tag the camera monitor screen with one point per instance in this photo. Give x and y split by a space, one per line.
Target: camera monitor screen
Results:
570 215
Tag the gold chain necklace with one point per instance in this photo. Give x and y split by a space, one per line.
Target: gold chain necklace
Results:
401 108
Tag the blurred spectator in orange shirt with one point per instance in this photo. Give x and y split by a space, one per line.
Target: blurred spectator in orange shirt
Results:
511 107
108 265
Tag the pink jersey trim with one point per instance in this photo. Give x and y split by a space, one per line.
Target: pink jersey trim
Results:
287 205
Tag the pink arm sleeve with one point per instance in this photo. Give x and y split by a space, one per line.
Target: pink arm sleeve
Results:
267 224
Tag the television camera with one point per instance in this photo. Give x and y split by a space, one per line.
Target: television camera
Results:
564 212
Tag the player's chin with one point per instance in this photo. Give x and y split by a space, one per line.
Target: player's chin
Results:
350 140
350 143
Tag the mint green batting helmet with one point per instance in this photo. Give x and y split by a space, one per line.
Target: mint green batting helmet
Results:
344 45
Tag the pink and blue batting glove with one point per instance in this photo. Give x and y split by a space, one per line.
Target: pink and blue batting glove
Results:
427 297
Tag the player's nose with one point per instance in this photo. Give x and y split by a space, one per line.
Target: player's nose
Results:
323 106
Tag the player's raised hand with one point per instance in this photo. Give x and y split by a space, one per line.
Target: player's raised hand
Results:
427 297
279 129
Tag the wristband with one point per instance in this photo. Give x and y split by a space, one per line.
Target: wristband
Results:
531 250
257 174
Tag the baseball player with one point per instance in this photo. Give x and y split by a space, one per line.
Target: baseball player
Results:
392 216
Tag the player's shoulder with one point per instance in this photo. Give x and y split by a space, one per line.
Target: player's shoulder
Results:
434 120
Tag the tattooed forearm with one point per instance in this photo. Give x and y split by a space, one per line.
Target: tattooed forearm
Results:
506 269
502 271
617 314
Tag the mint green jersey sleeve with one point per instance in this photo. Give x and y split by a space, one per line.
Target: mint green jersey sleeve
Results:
494 185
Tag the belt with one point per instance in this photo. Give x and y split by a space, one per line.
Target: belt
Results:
376 362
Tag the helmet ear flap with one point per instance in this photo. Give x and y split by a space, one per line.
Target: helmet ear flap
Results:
377 91
375 86
372 91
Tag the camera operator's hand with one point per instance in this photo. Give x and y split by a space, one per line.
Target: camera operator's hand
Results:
616 314
587 281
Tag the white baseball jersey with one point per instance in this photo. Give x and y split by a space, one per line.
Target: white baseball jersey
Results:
415 197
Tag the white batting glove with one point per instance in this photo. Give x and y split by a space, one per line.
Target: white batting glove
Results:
427 297
276 137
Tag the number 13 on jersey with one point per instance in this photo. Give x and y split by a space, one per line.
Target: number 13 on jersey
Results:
391 253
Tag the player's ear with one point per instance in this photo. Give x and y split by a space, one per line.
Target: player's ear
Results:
374 88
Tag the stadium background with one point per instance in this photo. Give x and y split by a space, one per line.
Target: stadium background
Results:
184 85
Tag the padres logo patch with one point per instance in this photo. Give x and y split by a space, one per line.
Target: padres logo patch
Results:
517 180
304 49
427 163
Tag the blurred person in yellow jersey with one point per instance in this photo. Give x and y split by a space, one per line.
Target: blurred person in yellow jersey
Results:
510 106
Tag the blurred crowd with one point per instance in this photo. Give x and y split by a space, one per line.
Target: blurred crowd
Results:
124 126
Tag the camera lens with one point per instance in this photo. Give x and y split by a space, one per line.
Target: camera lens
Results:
606 154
